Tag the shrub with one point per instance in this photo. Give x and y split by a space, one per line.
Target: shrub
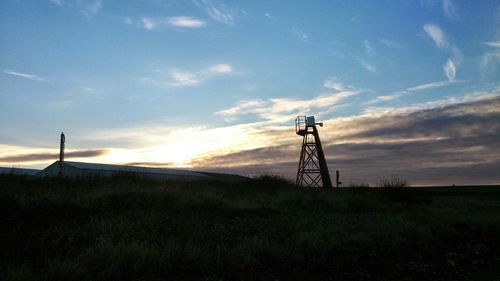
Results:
273 180
393 182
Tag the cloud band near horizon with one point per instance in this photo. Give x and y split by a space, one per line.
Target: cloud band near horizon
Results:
31 157
446 145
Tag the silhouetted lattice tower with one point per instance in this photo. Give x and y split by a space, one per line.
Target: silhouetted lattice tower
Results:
312 171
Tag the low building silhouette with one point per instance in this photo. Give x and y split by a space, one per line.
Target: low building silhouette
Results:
81 169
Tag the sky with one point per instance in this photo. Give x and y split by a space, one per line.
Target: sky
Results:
404 88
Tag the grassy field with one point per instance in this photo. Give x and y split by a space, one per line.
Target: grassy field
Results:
126 228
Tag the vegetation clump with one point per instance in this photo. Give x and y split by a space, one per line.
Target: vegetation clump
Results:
393 182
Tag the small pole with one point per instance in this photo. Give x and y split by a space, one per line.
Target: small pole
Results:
339 183
61 154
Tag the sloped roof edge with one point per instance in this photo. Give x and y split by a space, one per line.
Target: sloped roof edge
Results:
123 168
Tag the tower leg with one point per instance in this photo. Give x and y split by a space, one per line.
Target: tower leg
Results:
300 170
325 174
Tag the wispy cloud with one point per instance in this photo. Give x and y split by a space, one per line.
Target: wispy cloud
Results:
300 34
422 87
180 78
222 68
451 65
369 51
243 107
283 109
490 57
90 7
87 89
450 10
493 55
39 157
386 98
217 11
429 86
467 98
32 77
437 35
57 2
450 70
368 66
389 43
185 22
494 44
128 21
150 23
335 84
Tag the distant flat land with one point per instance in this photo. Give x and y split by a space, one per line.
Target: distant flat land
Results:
126 228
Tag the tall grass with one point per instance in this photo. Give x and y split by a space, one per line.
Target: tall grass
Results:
393 182
127 228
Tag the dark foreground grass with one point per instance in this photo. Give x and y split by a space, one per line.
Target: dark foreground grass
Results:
131 229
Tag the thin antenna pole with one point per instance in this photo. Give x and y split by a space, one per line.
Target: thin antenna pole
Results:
61 154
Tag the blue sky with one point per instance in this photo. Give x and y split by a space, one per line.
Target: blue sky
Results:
180 83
